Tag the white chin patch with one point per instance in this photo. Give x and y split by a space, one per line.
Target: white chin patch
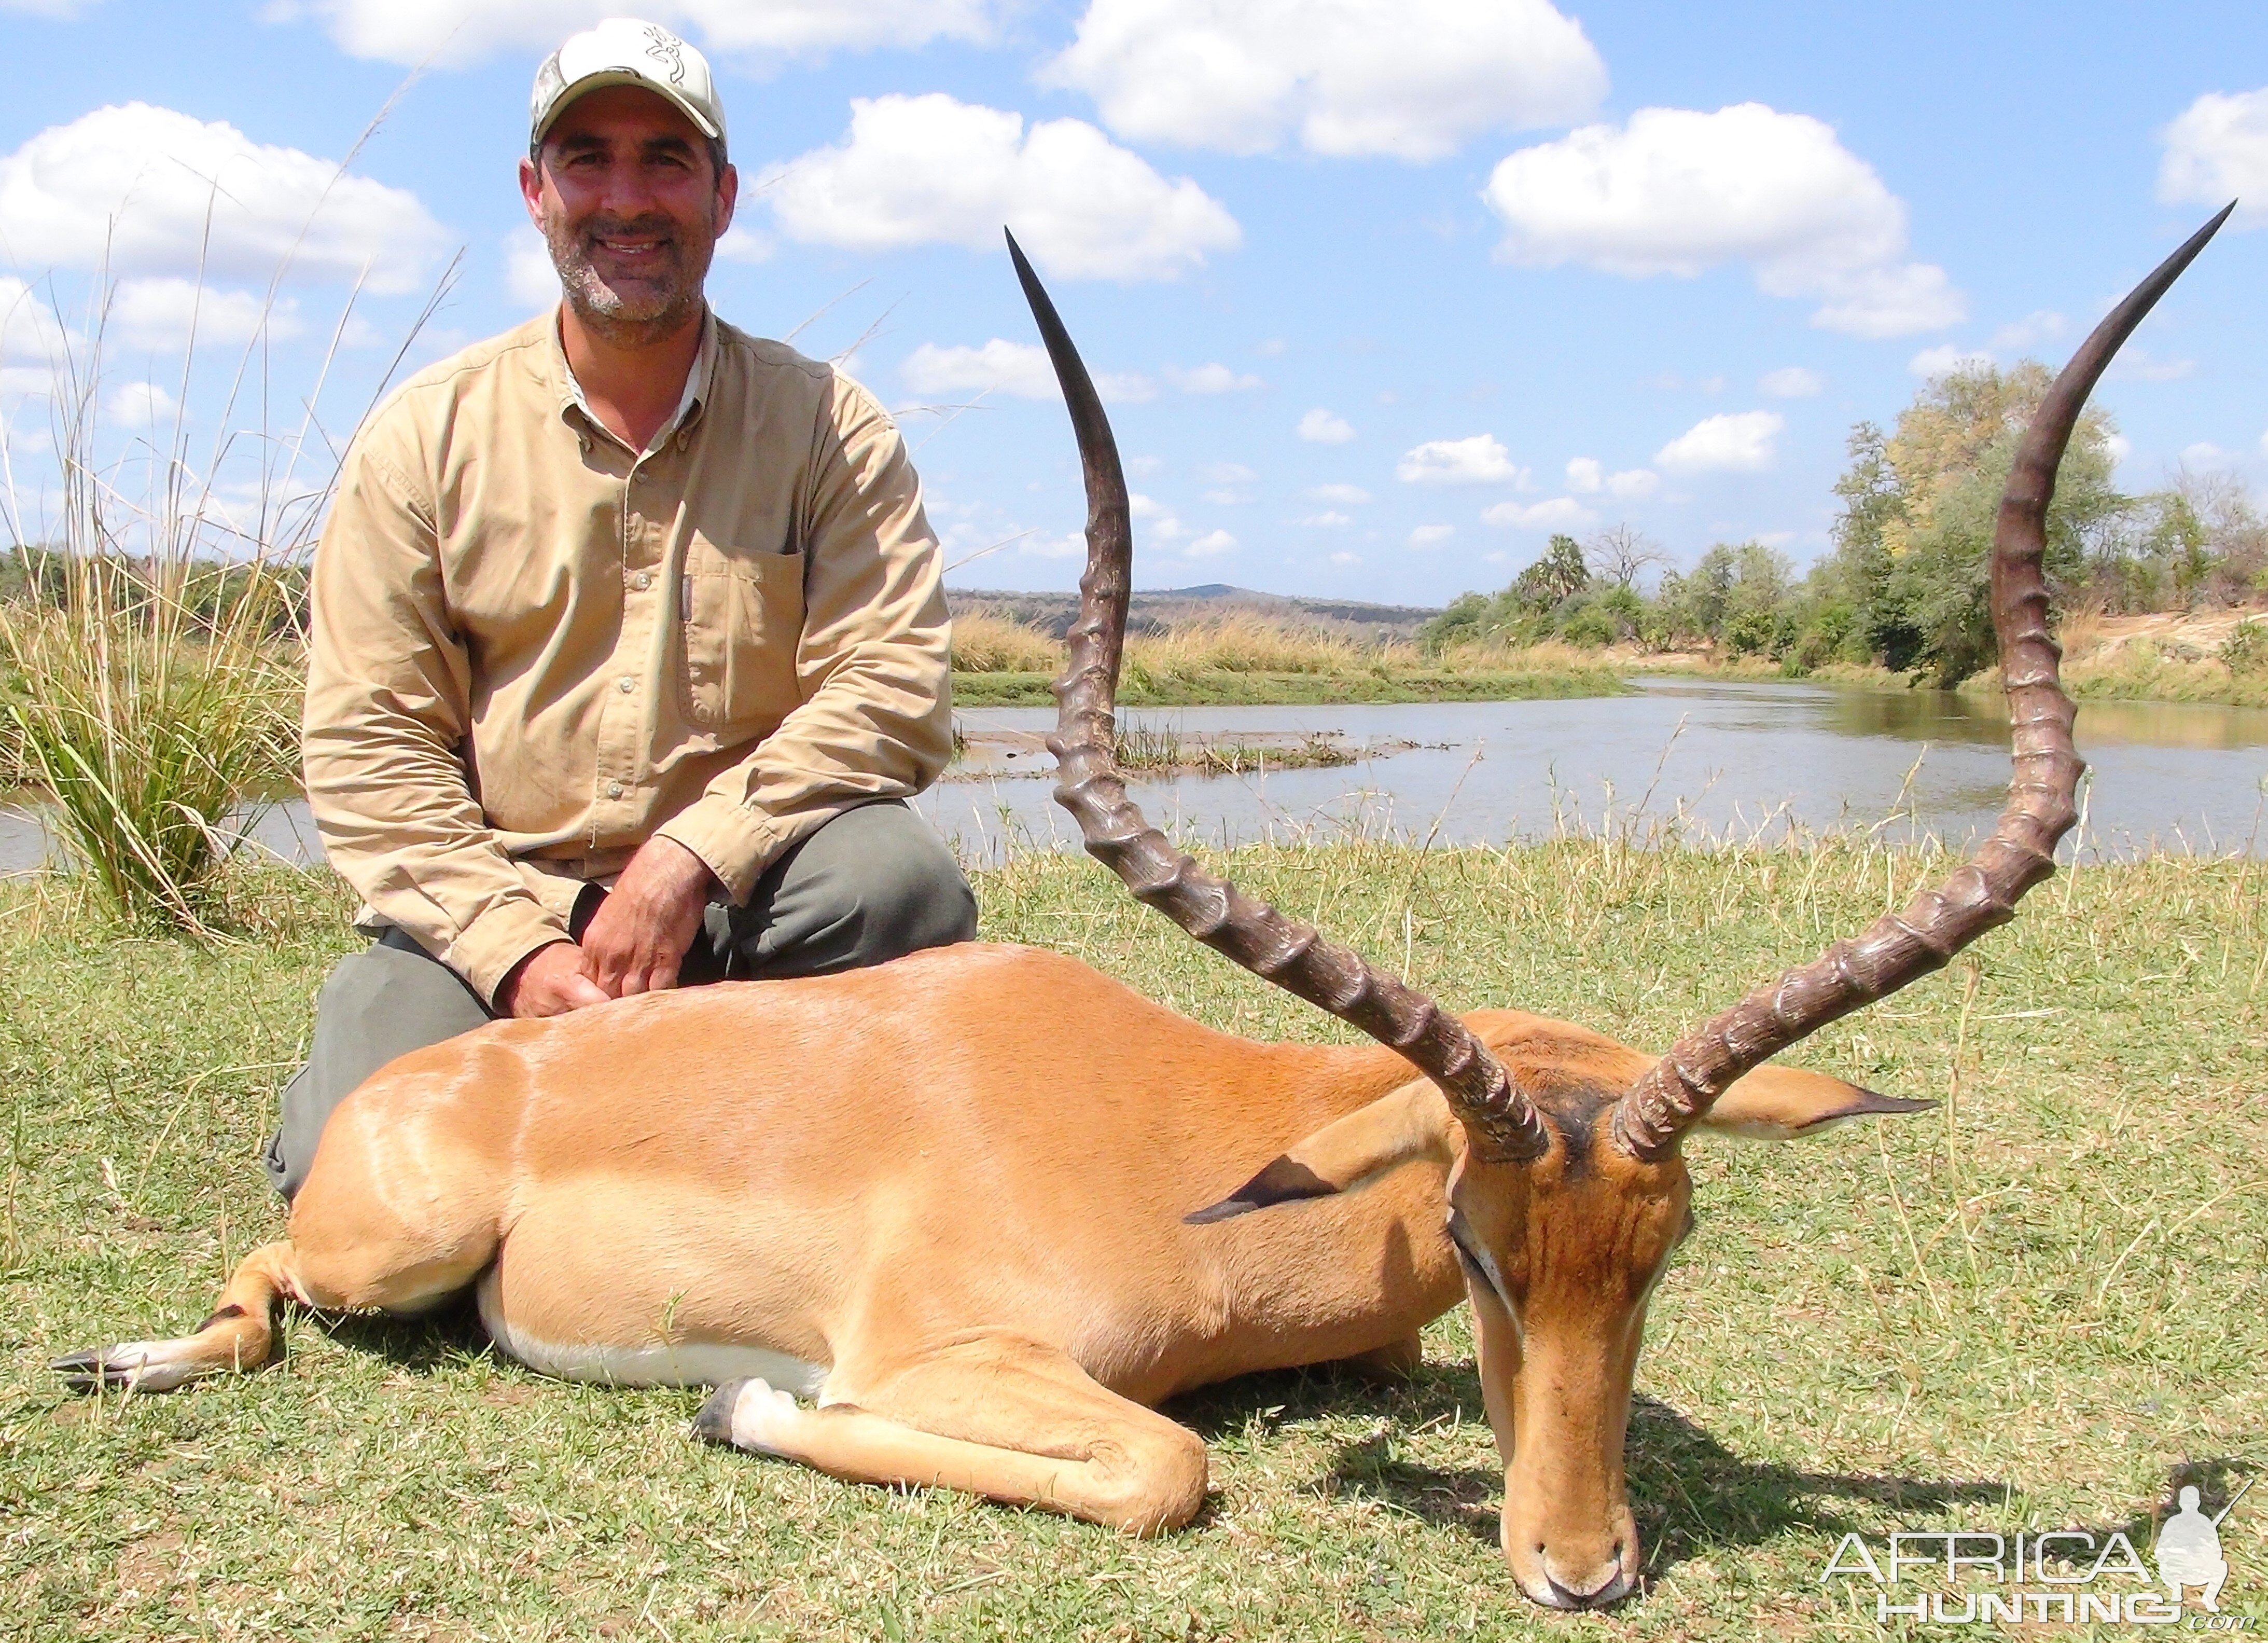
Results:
687 1363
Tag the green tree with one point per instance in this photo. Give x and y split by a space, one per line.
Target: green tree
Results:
1914 539
1555 577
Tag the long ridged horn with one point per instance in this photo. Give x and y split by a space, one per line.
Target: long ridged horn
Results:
1499 1120
1899 948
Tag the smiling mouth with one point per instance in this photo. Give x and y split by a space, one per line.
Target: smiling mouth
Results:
632 249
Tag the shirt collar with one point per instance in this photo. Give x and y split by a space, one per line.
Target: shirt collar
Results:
689 403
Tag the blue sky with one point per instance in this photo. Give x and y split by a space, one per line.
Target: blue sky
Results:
1385 293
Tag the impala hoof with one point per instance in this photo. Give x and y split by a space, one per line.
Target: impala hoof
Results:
746 1415
714 1423
129 1367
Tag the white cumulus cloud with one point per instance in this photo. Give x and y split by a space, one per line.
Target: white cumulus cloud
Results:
163 314
1412 78
455 33
131 186
1211 379
931 169
1480 459
1020 369
1209 544
1791 382
139 404
1584 475
1946 358
1432 535
1677 192
1329 518
29 334
1633 484
1344 558
998 367
1739 442
1343 496
1320 427
1561 513
2217 149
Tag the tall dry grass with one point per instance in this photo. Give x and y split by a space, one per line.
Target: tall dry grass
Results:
986 644
1241 644
154 696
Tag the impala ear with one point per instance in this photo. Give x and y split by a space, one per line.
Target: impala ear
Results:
1776 1103
1412 1122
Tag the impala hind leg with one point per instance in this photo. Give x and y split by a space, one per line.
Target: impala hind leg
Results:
349 1251
996 1415
240 1336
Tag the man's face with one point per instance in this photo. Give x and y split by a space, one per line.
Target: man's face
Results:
625 193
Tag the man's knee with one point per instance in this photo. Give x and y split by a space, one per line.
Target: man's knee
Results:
912 899
383 1002
874 884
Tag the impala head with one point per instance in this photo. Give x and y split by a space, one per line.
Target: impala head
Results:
1560 1253
1567 1188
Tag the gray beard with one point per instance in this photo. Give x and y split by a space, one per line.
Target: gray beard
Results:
627 319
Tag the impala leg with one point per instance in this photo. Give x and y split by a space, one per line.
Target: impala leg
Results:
350 1250
996 1415
238 1338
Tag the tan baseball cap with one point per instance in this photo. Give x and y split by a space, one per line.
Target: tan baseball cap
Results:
623 51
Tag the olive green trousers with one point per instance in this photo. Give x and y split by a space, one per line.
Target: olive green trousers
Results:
872 884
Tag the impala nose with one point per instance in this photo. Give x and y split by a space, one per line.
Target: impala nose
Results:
1602 1585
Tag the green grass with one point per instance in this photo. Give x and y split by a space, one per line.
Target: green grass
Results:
2039 1307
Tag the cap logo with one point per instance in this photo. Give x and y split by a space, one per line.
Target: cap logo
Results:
667 50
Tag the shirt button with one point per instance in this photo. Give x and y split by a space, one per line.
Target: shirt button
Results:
625 684
642 581
613 790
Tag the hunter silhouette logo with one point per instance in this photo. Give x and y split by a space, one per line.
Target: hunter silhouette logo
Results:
1973 1577
2189 1548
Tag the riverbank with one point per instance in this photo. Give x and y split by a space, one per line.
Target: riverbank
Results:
1832 1350
2168 657
1244 661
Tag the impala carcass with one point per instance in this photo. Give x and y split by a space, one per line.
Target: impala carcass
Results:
965 1218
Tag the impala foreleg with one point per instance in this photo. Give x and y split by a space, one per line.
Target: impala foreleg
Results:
999 1416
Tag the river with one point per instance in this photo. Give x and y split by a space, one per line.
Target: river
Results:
1717 758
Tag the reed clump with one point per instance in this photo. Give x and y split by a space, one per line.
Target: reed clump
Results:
152 653
148 724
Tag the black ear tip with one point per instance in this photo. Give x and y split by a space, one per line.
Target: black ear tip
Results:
1870 1103
1283 1180
1227 1209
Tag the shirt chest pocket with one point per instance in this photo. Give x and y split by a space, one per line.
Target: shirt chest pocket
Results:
742 620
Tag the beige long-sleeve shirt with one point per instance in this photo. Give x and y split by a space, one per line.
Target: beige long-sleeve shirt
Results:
534 648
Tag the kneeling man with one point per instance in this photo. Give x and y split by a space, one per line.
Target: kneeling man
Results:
629 636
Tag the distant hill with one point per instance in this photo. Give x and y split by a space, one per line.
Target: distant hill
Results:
1160 610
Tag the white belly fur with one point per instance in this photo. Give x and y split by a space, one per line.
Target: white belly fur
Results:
693 1363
